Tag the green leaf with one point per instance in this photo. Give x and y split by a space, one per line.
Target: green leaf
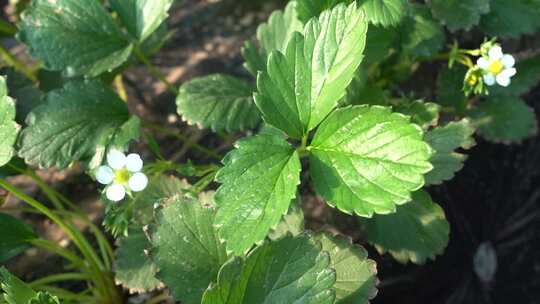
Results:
220 102
510 19
308 9
274 34
421 34
504 119
424 114
306 83
444 140
259 181
77 36
379 43
290 270
142 17
129 131
71 124
44 298
416 232
292 222
133 268
23 91
527 77
367 160
384 12
16 291
255 62
450 87
15 237
8 127
355 274
459 14
186 248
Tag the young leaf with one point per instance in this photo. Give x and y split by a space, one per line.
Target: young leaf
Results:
307 82
16 291
186 248
384 12
367 160
355 274
133 268
421 34
444 140
142 17
220 102
424 114
259 181
459 14
71 124
290 270
44 298
504 119
8 127
78 36
15 237
510 19
279 29
417 231
292 222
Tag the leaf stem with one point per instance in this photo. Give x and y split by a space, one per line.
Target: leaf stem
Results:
17 64
153 70
62 277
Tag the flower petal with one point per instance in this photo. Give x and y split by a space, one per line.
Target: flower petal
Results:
508 72
134 163
508 61
482 63
116 159
503 80
138 182
104 175
489 79
495 53
115 192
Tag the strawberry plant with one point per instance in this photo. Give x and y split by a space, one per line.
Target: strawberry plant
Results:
332 103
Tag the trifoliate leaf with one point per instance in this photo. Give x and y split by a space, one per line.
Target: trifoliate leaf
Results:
274 34
421 34
308 9
220 102
510 19
450 87
355 274
459 14
367 160
15 290
44 298
259 181
142 17
78 36
307 82
528 76
504 119
290 270
134 269
15 238
8 127
444 140
186 248
416 232
71 124
424 114
384 12
292 222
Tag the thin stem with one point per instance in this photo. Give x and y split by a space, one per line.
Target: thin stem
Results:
59 250
17 64
62 277
182 138
159 298
67 295
153 70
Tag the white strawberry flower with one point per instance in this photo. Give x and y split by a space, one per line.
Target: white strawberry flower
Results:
498 67
122 175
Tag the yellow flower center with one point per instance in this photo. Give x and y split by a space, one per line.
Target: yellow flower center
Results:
121 176
496 67
472 80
